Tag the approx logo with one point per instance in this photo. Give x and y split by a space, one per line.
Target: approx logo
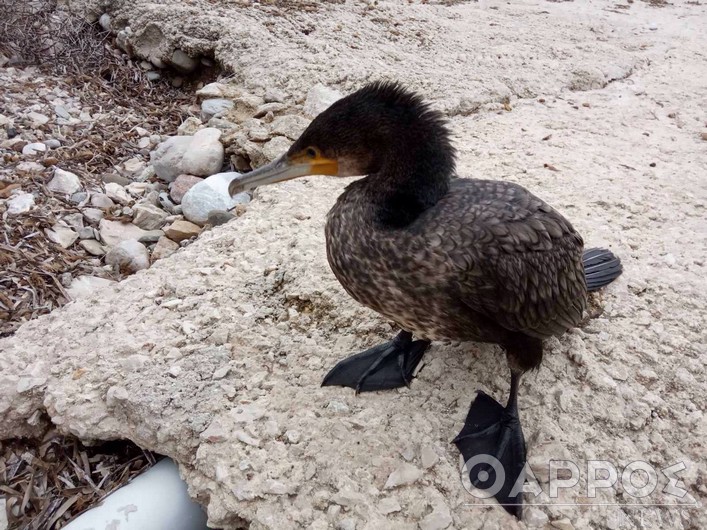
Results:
638 479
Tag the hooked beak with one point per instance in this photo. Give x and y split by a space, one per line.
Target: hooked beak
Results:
283 169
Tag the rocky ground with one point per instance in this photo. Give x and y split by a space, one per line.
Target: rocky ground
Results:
213 356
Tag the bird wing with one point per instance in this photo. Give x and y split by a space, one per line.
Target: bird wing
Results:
517 261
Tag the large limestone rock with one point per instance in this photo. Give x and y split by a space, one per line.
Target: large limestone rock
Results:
254 318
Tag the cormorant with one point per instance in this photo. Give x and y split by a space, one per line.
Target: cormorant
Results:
441 256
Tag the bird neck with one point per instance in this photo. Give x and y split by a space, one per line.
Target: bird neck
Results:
413 177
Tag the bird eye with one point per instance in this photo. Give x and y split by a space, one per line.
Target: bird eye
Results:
311 152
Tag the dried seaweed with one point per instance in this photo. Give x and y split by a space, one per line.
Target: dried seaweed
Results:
117 98
49 482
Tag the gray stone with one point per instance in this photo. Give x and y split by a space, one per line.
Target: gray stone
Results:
88 232
117 193
128 256
151 236
84 286
182 62
92 215
52 143
74 220
113 177
93 247
219 217
153 76
209 195
320 98
34 149
148 217
152 197
165 203
20 203
79 198
101 200
61 235
115 232
214 107
262 110
165 247
64 182
61 112
167 157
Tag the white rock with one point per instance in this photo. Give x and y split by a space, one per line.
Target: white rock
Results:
84 286
212 90
389 505
104 22
118 193
289 125
135 165
143 143
115 232
167 158
29 167
38 118
211 194
61 235
52 143
274 95
33 149
405 474
101 200
204 155
214 107
534 517
128 256
428 456
439 519
92 215
149 217
320 98
20 203
64 182
190 126
93 247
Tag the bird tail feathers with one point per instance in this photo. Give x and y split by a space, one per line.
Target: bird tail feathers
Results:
601 267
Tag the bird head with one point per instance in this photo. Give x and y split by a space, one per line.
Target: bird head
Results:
355 136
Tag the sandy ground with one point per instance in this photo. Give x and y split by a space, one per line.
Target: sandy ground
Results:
214 356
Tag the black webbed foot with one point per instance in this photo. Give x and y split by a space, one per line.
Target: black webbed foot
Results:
492 430
389 365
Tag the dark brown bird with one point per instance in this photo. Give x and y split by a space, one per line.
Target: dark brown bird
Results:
443 257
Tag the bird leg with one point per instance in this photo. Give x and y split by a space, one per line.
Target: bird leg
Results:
386 366
493 438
